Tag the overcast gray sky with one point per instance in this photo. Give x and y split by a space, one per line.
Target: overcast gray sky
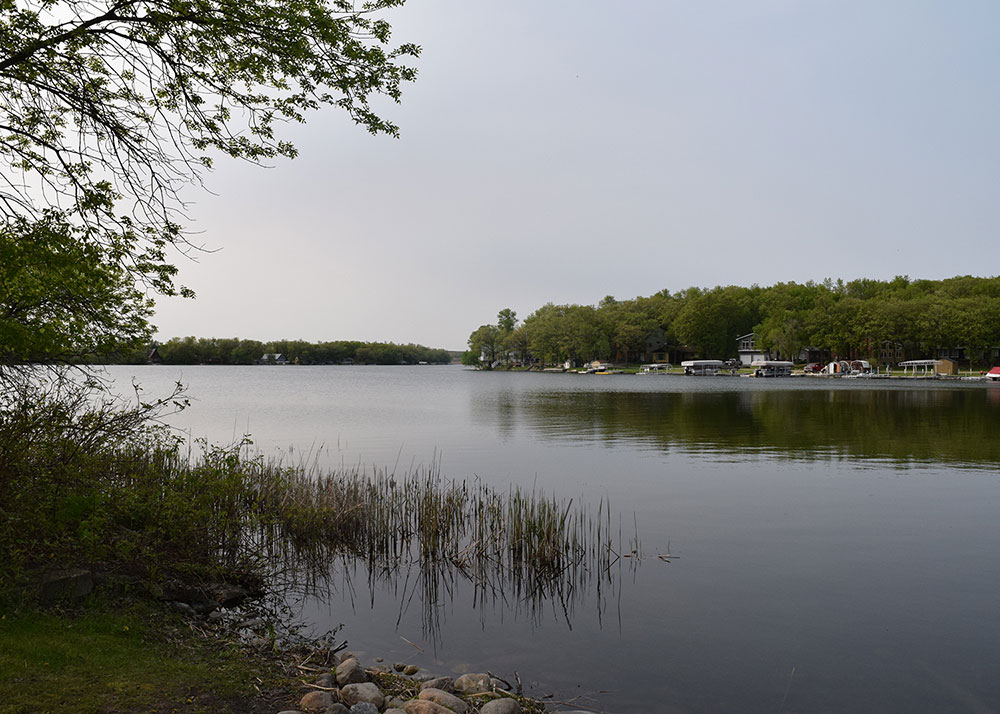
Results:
563 151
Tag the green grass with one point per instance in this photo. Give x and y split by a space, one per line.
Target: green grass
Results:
138 659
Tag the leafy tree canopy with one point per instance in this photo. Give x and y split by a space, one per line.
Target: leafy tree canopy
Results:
109 107
854 319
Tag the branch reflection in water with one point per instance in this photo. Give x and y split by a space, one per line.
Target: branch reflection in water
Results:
418 537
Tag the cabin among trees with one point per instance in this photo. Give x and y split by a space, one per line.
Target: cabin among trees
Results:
885 322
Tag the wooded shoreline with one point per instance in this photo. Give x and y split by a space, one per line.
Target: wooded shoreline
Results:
885 322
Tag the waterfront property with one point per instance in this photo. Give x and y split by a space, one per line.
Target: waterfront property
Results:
928 367
771 368
747 348
273 358
819 525
703 367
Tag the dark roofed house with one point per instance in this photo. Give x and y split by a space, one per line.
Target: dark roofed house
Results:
273 358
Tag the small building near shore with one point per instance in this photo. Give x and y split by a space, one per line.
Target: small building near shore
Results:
746 346
946 366
928 367
273 358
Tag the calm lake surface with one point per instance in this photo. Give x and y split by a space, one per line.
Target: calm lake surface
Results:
838 540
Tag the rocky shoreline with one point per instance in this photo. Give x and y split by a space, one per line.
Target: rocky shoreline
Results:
350 688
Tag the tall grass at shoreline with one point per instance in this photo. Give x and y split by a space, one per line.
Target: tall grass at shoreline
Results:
79 488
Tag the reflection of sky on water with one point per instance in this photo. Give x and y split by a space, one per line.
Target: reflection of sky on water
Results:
843 531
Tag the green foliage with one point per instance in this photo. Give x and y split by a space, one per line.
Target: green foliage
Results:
85 484
108 109
485 346
62 296
234 351
851 319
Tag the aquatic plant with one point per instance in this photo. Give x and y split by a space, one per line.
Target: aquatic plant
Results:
80 488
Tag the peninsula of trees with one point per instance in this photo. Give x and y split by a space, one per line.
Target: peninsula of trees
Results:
232 350
885 321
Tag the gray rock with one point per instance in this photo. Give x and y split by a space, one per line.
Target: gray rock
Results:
215 616
472 683
411 669
351 694
58 585
345 655
316 702
399 666
501 706
205 607
442 697
443 683
422 706
228 595
291 711
181 607
325 680
394 703
394 710
337 708
363 708
350 671
253 624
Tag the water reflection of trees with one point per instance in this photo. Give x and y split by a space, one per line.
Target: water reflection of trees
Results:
900 425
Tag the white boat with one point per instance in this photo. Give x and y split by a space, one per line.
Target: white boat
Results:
771 368
659 368
703 367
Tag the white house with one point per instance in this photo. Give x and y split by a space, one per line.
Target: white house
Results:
747 348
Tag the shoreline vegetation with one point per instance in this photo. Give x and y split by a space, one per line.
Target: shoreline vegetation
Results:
236 351
94 487
885 322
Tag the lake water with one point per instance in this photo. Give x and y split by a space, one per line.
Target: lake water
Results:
837 540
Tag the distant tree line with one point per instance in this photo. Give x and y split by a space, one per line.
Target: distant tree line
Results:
886 321
214 350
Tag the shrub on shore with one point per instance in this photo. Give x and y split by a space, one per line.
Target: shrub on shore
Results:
98 485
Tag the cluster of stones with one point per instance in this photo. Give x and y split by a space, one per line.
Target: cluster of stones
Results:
349 689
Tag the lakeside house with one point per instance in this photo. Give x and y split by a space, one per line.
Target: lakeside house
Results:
273 358
746 347
749 352
657 347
